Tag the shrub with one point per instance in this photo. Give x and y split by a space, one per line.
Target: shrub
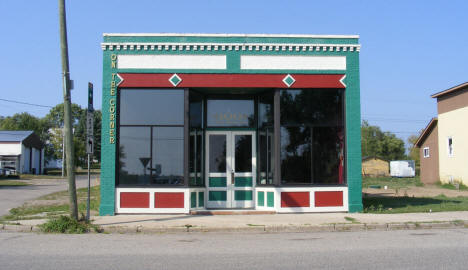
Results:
66 224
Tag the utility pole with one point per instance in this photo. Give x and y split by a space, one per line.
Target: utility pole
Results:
67 111
89 141
63 150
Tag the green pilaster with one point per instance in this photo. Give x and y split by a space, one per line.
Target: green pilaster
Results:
353 133
108 152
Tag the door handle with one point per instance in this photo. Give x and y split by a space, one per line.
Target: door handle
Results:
232 178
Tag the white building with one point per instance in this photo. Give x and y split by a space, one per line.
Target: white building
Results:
22 151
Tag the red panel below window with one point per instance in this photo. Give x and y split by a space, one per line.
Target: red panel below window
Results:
169 200
295 199
328 198
134 200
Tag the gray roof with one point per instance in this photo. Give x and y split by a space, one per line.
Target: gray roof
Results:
14 135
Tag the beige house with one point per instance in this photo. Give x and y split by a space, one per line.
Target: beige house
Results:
444 142
375 167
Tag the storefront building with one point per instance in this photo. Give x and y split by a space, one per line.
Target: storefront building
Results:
209 122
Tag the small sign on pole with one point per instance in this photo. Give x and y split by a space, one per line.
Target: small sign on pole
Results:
90 97
90 145
89 124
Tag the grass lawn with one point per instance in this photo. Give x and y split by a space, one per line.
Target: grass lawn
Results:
57 174
53 205
452 186
38 176
4 183
78 171
391 182
389 205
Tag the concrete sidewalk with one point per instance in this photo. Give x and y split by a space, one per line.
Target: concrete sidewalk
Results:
275 222
270 223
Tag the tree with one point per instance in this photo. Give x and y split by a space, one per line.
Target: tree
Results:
26 121
377 143
55 115
413 149
55 119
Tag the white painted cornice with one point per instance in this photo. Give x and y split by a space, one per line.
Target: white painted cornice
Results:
272 47
225 35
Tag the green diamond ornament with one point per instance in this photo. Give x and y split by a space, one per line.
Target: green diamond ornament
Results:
175 79
289 80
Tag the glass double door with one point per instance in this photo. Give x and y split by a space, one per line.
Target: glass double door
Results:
230 167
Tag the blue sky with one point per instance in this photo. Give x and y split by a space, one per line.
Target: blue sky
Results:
410 49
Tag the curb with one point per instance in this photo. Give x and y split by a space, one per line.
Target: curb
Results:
339 227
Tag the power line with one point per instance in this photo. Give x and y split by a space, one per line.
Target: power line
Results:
25 103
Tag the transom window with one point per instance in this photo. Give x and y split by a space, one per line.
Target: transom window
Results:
230 113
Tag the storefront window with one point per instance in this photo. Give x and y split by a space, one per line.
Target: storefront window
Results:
196 143
135 154
151 137
312 136
196 158
265 139
151 107
167 155
265 110
230 113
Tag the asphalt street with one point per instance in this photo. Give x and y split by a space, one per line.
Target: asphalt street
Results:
14 196
409 249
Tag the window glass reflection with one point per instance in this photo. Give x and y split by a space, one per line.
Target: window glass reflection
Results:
321 107
266 156
243 153
217 153
265 110
196 109
312 136
134 155
168 155
151 107
195 159
295 155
